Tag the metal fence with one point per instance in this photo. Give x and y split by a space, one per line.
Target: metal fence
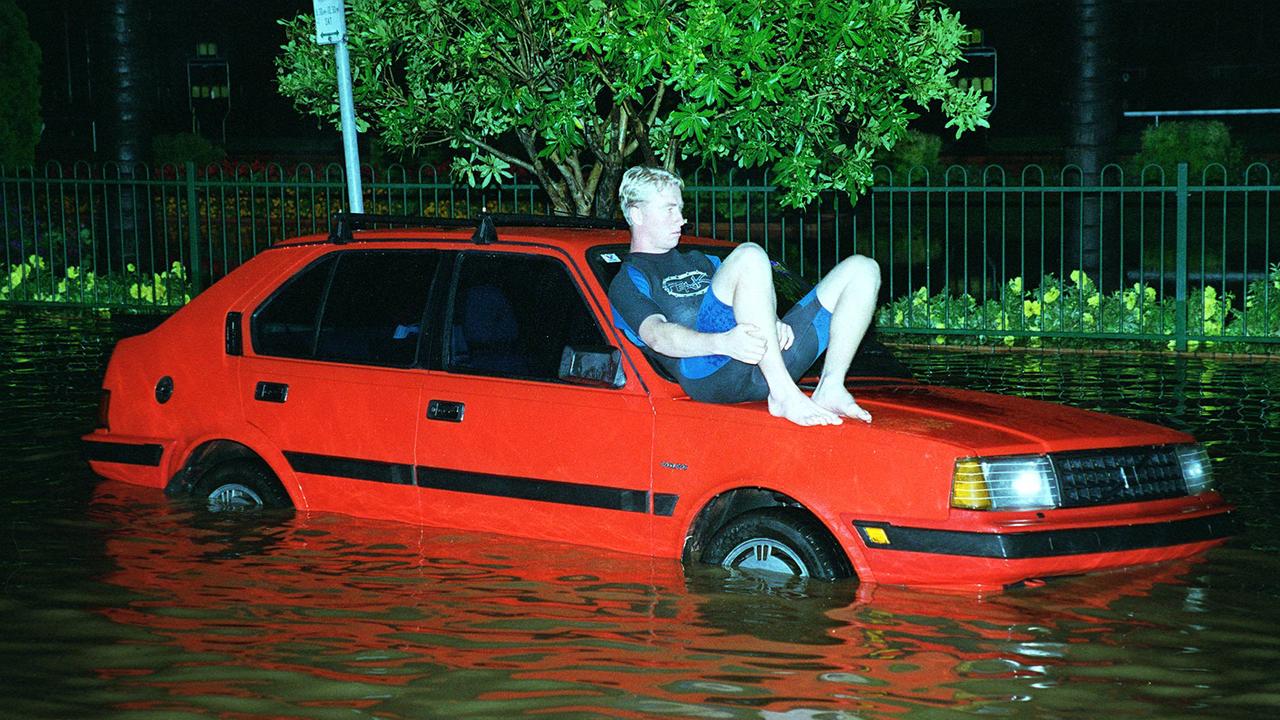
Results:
981 254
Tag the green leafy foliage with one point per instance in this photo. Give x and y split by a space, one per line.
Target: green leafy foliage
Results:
575 91
913 160
179 148
20 122
38 280
1075 305
1199 143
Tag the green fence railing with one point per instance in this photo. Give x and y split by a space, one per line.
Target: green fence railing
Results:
981 254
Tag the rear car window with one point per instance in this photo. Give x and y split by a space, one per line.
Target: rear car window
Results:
362 307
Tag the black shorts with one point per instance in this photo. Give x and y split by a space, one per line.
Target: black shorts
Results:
721 379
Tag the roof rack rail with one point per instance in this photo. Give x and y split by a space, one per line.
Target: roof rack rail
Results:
486 224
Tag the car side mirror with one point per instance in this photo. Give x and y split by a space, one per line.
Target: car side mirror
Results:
593 365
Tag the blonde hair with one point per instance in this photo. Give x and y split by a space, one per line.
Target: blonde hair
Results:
641 183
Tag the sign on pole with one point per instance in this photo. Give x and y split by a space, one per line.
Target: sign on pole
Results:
331 29
331 21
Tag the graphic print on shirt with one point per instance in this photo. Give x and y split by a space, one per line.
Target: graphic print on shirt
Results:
689 284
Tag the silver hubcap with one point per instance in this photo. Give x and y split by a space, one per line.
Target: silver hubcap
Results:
765 555
232 497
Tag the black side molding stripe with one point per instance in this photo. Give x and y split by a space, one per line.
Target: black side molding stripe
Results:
371 470
123 453
597 496
1051 543
664 504
520 488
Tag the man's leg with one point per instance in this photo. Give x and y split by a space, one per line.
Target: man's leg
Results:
849 291
745 283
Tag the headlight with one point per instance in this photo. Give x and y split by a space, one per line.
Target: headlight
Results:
1004 483
1197 472
1080 478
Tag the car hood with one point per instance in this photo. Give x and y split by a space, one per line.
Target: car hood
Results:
990 424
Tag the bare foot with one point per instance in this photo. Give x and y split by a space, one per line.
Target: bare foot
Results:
801 410
834 397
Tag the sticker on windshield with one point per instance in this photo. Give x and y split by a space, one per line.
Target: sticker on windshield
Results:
610 258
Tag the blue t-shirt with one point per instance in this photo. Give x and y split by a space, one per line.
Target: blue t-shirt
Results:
672 284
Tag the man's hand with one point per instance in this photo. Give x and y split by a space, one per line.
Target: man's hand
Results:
744 343
786 335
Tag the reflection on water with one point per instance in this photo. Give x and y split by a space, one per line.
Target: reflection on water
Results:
120 604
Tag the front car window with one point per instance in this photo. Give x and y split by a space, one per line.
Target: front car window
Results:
513 315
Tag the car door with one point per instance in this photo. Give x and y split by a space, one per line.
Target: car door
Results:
331 380
507 446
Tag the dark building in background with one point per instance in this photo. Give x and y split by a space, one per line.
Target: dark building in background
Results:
204 67
208 66
1158 55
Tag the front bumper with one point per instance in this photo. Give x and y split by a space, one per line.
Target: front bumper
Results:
900 554
1048 543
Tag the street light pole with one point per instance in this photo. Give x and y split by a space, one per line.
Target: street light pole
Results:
331 29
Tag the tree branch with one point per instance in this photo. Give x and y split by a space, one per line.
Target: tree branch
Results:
657 104
495 151
593 181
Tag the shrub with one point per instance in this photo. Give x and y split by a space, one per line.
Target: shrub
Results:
912 160
1075 305
36 280
20 123
1199 143
183 147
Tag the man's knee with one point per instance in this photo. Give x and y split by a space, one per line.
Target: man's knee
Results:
855 277
748 252
750 259
865 271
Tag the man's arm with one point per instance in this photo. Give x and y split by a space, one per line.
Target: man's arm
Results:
744 342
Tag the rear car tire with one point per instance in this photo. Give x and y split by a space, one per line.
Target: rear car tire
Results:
781 540
240 486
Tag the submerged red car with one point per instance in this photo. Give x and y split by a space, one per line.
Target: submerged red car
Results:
471 378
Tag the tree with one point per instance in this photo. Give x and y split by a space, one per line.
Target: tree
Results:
20 87
128 131
1093 112
575 91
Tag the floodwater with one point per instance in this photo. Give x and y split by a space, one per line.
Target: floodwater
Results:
116 603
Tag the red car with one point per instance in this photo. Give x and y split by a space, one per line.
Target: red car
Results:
471 378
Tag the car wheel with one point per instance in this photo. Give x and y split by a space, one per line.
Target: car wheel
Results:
240 485
778 540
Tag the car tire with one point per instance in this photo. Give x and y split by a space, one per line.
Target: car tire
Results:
781 540
240 486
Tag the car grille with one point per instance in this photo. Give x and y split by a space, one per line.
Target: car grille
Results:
1120 475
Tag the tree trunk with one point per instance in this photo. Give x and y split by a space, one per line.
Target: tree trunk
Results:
1093 124
606 199
128 129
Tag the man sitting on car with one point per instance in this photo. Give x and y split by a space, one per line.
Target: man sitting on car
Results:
728 345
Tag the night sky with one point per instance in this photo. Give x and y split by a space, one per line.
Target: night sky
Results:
1167 54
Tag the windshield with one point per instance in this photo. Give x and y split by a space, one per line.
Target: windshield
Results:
873 358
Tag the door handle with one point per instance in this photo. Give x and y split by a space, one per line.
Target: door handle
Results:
271 392
445 410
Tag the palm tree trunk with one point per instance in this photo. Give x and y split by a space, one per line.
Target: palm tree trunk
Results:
1093 123
128 126
128 137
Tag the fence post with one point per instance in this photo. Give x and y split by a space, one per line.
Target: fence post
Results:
193 230
1180 294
